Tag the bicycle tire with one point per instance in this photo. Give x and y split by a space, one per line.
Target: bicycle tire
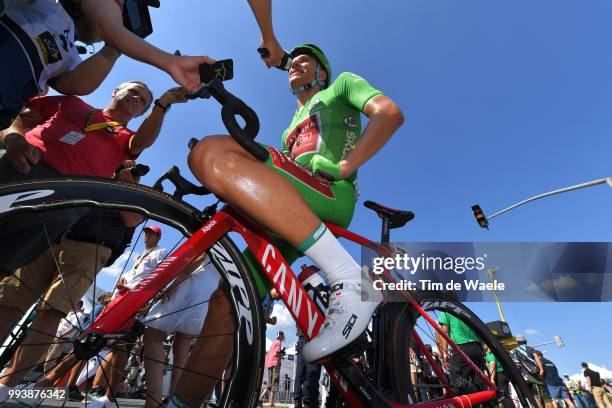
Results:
402 319
39 196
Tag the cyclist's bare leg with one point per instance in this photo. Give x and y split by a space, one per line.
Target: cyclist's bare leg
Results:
229 171
34 348
225 168
154 366
210 354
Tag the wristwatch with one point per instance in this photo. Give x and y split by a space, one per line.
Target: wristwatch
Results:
162 107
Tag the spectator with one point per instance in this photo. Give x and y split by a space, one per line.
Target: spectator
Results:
62 135
595 385
531 363
38 38
555 385
498 377
181 311
144 265
468 342
576 390
273 363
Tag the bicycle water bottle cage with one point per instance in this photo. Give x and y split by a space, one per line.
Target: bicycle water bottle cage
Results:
394 218
182 186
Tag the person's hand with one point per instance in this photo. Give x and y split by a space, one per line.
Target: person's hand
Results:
541 373
185 70
276 52
121 283
126 175
21 154
173 95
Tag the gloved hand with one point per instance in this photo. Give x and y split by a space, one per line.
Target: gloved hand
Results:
322 166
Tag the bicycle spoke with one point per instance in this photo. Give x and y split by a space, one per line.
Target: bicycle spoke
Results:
61 276
124 377
32 367
53 336
107 379
40 298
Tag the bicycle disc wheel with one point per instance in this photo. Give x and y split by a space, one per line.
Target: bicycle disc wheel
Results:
35 203
404 319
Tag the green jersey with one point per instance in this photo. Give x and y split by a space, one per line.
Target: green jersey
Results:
330 123
458 331
491 357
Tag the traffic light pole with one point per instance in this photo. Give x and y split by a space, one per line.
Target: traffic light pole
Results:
483 220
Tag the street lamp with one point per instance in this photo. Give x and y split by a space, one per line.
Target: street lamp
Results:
483 221
556 340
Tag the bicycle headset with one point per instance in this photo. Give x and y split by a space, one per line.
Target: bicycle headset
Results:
322 62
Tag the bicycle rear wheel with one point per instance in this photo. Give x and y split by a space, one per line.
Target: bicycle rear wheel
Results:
40 199
404 319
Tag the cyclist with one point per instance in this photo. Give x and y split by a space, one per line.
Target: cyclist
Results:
39 38
467 340
324 139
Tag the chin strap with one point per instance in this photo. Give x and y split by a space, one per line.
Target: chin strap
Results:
311 84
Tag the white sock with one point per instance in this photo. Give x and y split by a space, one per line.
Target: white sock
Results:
331 257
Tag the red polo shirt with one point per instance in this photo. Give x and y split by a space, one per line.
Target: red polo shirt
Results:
68 148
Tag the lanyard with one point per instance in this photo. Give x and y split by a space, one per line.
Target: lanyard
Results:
97 126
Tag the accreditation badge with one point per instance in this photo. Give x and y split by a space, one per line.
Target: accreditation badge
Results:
73 137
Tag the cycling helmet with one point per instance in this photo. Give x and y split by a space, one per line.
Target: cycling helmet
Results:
322 63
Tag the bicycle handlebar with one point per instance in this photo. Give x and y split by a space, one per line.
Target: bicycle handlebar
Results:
232 106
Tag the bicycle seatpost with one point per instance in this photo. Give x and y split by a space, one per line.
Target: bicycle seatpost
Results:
385 232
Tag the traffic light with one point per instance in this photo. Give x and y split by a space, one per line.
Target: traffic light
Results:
480 217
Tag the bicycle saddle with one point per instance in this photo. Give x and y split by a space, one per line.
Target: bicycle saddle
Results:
395 218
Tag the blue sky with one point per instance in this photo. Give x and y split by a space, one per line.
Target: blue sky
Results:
503 100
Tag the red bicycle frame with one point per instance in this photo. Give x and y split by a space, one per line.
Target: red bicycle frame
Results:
309 318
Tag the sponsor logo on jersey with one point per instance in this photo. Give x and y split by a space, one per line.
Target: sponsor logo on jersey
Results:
49 48
305 137
350 140
350 122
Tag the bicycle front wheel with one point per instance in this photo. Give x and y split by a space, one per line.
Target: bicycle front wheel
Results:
35 205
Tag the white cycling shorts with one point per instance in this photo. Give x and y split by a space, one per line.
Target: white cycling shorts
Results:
186 310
